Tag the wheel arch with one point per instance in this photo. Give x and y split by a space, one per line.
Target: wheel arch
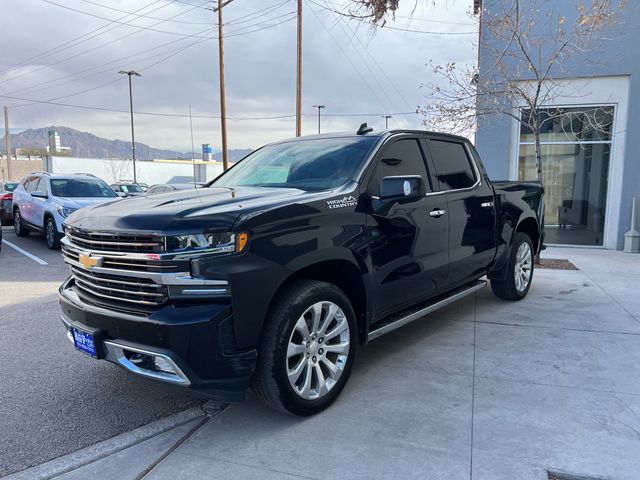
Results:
530 227
344 274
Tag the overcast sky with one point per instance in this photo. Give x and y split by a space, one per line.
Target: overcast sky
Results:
62 55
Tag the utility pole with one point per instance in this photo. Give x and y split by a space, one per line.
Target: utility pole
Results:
319 107
193 152
386 121
7 141
223 101
299 74
131 73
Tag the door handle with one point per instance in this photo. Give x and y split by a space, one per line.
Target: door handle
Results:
437 213
486 204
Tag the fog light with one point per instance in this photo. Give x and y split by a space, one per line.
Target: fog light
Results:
162 364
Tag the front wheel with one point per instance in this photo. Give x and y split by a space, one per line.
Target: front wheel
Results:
517 282
51 234
307 350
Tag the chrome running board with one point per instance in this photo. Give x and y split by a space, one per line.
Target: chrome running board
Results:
424 311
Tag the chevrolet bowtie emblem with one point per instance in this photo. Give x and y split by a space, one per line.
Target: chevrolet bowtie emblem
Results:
89 261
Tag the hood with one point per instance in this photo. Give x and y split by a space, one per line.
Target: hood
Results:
183 211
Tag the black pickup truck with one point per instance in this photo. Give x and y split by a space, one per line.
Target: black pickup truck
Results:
275 273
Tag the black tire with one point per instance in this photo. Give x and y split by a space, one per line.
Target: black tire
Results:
507 289
18 225
270 381
51 234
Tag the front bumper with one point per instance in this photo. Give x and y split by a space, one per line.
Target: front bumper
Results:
196 341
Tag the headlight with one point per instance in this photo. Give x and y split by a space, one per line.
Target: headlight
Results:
66 211
214 242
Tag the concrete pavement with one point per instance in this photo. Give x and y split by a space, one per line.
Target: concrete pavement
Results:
485 389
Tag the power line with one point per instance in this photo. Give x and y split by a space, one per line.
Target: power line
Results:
64 46
362 20
180 115
172 53
150 29
362 77
375 61
143 15
366 64
93 48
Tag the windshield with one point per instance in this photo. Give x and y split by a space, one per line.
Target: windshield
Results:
131 188
74 187
316 164
10 187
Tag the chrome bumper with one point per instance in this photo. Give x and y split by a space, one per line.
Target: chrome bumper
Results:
115 352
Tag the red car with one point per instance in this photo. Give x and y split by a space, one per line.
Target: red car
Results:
6 202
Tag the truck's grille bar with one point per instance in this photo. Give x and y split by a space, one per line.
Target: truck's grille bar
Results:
116 242
70 252
124 289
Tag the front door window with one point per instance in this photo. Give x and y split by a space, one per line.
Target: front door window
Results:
575 148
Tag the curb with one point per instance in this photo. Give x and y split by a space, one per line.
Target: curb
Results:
93 453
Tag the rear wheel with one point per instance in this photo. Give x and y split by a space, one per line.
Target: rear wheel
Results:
18 225
51 234
307 350
519 275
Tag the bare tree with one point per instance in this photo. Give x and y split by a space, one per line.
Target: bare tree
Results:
531 48
118 168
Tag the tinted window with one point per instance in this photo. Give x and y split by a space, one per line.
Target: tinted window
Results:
403 157
315 164
10 187
76 187
452 165
132 188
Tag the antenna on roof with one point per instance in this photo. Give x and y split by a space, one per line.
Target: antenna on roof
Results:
364 129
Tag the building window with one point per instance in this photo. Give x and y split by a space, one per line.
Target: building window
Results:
575 148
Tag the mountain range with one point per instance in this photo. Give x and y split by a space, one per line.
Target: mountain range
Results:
85 144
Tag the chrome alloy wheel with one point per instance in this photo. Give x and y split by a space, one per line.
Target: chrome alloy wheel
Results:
17 221
524 262
317 350
50 233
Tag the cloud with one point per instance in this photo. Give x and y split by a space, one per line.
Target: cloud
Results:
347 67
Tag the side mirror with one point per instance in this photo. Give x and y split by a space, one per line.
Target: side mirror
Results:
121 194
39 194
401 188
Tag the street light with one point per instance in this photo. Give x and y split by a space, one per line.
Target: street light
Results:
131 73
319 107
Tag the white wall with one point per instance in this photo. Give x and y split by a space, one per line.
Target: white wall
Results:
113 170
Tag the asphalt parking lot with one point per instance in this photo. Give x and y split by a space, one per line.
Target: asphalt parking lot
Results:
55 400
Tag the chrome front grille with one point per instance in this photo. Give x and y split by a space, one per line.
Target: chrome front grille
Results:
132 243
140 291
121 262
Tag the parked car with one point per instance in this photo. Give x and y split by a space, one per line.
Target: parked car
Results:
278 271
6 202
172 187
42 201
127 189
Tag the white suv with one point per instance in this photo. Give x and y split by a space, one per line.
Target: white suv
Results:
43 201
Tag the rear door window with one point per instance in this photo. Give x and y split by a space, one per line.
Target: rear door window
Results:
452 164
